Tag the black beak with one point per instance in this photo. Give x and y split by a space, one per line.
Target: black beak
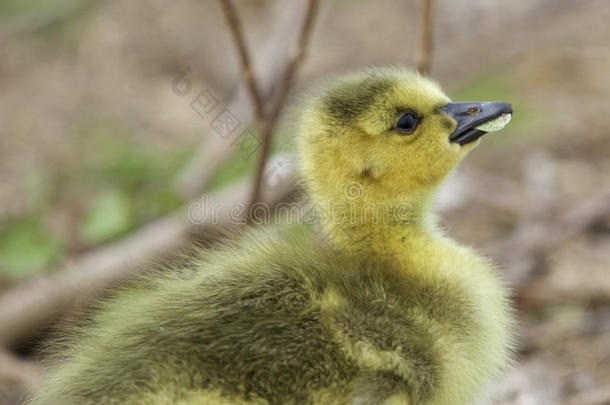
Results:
470 114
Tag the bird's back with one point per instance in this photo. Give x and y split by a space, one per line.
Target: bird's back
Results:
266 321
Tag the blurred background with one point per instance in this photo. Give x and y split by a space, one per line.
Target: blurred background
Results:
115 116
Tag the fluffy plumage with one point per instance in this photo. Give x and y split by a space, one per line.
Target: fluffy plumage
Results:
386 311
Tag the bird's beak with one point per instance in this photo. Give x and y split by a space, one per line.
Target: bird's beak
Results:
470 115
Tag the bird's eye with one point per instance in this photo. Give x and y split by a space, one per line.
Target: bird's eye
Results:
407 123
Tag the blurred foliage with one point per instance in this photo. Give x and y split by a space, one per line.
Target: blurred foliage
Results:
61 18
108 216
26 247
112 182
128 169
13 9
44 13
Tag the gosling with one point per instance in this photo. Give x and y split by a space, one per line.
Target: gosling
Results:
383 309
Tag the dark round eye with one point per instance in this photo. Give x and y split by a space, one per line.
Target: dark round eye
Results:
407 123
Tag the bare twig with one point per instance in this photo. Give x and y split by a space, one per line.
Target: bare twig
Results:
425 44
33 304
280 96
235 28
214 150
295 61
266 123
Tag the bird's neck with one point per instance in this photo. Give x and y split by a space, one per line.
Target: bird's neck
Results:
392 230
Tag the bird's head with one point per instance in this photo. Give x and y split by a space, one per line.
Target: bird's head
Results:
386 135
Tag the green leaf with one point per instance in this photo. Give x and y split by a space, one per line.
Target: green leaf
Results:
108 216
26 248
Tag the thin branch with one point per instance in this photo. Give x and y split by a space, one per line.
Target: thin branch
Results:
425 44
295 61
214 150
235 28
280 96
30 306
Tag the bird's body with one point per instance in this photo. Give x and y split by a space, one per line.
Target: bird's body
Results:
387 311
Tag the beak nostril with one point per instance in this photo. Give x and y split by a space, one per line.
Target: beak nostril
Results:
472 110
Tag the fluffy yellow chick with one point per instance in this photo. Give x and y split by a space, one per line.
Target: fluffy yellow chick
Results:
385 310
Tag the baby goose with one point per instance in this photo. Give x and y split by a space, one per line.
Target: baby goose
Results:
387 311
